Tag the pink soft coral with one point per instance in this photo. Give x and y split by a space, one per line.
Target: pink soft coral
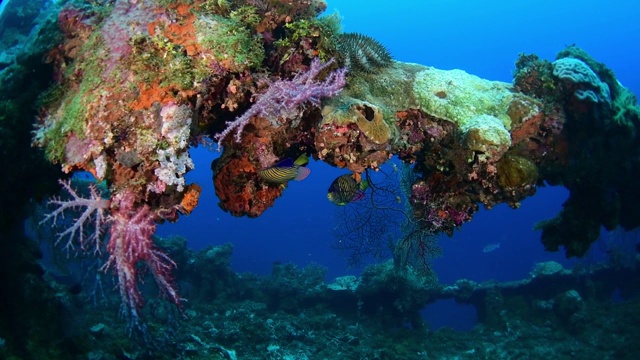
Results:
131 241
131 228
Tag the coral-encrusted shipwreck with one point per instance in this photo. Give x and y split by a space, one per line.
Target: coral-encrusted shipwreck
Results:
141 84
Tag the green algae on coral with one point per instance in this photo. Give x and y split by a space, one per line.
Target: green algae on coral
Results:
323 31
71 114
229 42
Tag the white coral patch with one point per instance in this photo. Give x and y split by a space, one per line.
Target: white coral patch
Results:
173 167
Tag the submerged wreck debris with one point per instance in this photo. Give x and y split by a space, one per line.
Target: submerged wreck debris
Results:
293 310
140 82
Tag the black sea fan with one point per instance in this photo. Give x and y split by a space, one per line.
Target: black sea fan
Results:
362 53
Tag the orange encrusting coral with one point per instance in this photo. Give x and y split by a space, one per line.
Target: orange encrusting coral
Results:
190 199
150 94
239 189
184 32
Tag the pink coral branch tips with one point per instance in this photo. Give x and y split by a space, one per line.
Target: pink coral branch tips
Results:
131 228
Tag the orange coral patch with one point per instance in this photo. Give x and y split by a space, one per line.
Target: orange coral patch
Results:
244 165
402 115
151 27
150 94
184 33
190 199
340 163
237 188
182 9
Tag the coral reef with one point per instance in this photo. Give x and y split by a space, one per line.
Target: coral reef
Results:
475 141
285 99
394 294
454 126
590 101
139 82
353 135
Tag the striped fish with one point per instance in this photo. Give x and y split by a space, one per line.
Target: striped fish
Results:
345 189
286 170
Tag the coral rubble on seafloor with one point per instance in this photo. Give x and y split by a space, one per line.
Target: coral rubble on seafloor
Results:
137 83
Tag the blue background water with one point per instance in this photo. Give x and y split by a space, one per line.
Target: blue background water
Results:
480 37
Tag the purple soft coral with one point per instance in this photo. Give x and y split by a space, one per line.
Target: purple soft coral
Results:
283 98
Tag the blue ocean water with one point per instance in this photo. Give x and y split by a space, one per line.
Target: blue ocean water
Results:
482 38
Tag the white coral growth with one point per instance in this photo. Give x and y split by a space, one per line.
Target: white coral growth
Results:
173 167
176 120
174 161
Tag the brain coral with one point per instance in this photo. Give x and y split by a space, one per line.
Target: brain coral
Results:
580 74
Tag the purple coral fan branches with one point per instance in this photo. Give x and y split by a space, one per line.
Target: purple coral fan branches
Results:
92 212
284 98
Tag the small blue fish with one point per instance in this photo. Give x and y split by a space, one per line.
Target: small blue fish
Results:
286 170
491 247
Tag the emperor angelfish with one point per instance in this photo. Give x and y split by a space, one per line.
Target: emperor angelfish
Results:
345 189
286 170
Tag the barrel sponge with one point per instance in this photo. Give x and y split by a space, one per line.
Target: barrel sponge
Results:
580 74
486 134
457 96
